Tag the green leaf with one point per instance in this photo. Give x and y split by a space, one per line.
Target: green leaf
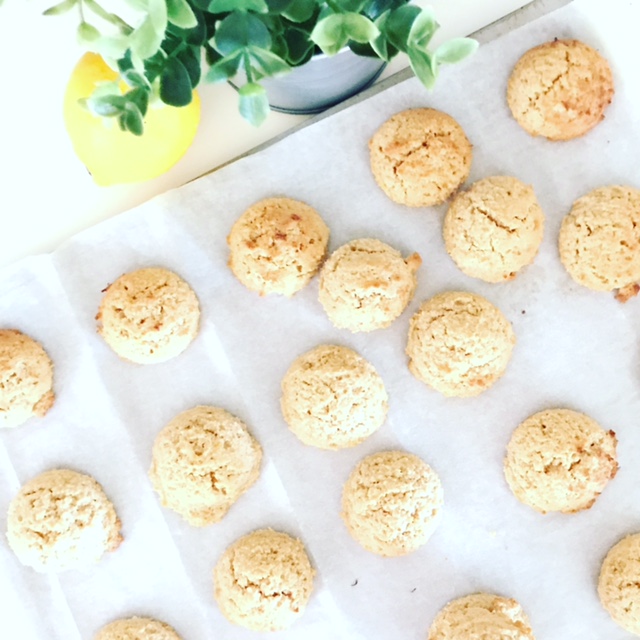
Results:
59 9
140 97
134 79
332 33
350 6
196 35
238 31
300 10
87 35
146 39
254 105
224 6
277 7
106 106
113 47
455 50
180 13
225 68
422 30
398 26
191 61
137 5
111 18
157 14
380 44
375 8
132 119
175 84
154 65
299 47
268 64
106 89
422 66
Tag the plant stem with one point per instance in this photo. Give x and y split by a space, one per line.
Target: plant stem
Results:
247 66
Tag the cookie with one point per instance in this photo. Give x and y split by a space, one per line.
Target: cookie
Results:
202 462
263 581
391 503
137 629
277 245
459 344
420 157
481 616
26 379
560 460
560 89
62 520
332 398
599 238
619 583
494 229
148 316
366 284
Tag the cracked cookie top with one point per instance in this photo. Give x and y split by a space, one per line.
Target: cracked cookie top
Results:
560 89
494 229
62 520
560 460
26 379
392 503
599 238
366 284
137 629
149 315
263 581
420 157
619 583
332 398
481 616
277 245
202 462
459 343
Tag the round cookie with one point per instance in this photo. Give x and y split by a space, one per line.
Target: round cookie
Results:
137 629
26 379
560 89
481 616
333 398
391 503
366 284
202 462
62 520
263 581
277 246
148 316
420 157
560 460
619 583
494 229
599 238
459 344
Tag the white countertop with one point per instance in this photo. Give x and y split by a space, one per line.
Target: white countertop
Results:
47 194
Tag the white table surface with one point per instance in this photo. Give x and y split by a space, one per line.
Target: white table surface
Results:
46 194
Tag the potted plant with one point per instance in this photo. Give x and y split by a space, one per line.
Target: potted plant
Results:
159 47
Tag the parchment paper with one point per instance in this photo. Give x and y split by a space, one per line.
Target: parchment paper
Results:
576 348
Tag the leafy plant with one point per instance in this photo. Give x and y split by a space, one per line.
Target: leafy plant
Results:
159 46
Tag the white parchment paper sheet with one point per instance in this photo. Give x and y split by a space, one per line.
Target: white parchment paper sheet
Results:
576 348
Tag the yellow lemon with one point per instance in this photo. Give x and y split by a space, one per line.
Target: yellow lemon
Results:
113 156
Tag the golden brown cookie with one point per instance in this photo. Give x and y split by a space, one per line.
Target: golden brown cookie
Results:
560 460
599 239
392 502
62 520
148 316
263 581
494 229
202 462
277 245
481 616
137 629
459 343
26 379
420 157
366 284
560 89
619 583
333 398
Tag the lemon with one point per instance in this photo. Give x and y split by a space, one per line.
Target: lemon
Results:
113 156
